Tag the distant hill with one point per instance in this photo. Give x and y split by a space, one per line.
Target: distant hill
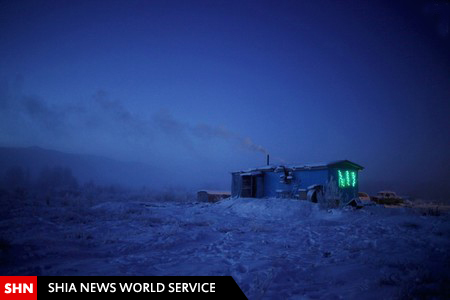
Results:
101 170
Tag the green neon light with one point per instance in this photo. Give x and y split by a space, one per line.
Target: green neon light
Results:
341 179
346 178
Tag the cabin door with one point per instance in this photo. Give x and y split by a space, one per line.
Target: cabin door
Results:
248 189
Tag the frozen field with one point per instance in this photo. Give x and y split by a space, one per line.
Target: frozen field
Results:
274 248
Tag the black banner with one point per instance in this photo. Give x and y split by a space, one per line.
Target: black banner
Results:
138 287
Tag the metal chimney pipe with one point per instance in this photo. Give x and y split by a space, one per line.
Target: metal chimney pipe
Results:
267 159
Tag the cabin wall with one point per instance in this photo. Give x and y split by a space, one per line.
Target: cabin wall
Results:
347 193
236 182
307 178
259 186
272 184
302 179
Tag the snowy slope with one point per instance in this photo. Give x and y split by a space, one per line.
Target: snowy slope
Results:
274 248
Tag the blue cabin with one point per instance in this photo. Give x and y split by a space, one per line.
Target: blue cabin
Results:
296 181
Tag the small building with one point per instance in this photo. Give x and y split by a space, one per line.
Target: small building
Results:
212 196
296 181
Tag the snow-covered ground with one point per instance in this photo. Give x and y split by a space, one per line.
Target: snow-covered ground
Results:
274 248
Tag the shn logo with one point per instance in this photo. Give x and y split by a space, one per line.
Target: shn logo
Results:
21 288
18 288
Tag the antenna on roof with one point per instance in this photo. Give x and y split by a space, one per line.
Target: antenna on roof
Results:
267 159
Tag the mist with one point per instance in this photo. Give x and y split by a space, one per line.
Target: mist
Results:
196 102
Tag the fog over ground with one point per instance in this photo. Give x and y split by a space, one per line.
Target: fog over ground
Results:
196 90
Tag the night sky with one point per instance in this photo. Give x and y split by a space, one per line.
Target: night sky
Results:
202 88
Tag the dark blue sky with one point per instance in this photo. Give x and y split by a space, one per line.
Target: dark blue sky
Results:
204 87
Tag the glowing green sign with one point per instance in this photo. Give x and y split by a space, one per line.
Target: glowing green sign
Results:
347 179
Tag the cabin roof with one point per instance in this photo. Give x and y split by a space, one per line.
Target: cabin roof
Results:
314 166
